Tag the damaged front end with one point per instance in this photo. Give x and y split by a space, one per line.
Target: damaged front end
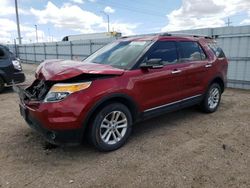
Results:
52 91
57 79
35 92
34 110
57 100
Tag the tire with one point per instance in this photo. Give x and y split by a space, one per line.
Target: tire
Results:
1 84
105 133
212 99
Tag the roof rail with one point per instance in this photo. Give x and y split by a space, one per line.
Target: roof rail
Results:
185 34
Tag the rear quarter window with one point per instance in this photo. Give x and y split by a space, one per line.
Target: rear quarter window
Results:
218 52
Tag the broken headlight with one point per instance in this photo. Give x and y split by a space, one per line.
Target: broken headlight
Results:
60 91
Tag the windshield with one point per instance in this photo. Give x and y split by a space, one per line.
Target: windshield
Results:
119 54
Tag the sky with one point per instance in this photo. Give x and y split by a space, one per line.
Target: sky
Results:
58 18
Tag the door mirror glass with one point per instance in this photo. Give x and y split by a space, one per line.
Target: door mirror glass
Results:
152 64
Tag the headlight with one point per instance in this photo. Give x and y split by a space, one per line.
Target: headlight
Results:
17 65
60 91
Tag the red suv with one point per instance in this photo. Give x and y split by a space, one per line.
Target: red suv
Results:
124 82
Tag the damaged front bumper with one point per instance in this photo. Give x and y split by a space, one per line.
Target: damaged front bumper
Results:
67 137
56 128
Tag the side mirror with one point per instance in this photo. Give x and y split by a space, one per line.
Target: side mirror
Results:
152 64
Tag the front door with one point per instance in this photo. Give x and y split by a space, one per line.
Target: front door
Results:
159 88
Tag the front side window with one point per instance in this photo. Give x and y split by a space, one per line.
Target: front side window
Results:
166 51
191 51
203 55
121 54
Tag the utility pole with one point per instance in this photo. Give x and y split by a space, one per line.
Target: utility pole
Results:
49 35
228 22
36 34
107 19
15 48
18 25
108 22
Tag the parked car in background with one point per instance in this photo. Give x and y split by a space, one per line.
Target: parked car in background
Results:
10 68
126 81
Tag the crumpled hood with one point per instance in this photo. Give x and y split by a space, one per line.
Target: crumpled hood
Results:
58 69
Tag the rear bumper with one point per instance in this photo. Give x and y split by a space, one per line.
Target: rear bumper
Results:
57 137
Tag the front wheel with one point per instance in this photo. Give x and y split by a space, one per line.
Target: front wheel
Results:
212 99
111 127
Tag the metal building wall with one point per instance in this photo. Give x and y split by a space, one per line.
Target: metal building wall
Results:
235 41
36 52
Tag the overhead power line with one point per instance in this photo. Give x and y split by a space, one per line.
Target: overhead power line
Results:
132 9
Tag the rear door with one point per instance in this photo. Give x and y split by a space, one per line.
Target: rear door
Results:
195 68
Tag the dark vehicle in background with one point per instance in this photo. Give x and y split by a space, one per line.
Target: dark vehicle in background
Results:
124 82
10 68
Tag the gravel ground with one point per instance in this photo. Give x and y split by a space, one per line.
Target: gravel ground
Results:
181 149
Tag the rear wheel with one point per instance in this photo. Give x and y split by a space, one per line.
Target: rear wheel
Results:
1 84
111 127
212 99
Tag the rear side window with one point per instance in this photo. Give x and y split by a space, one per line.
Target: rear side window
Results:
165 50
218 52
191 51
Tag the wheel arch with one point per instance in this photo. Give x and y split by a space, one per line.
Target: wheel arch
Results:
220 81
121 98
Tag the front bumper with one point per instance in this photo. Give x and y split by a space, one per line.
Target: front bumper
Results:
57 137
61 122
17 77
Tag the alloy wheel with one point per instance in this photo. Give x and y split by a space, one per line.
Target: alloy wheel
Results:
214 97
113 127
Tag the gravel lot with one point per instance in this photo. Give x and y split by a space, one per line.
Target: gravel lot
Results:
181 149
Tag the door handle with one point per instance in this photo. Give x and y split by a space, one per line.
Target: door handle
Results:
208 65
176 71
